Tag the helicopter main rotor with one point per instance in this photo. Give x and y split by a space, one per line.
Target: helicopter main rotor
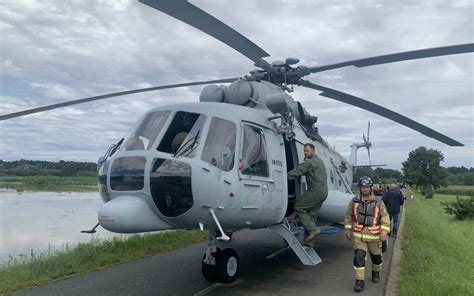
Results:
279 73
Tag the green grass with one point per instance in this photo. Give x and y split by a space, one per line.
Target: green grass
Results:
85 257
465 187
437 250
49 183
465 190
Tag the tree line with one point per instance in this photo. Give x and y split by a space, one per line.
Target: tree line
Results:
422 169
25 167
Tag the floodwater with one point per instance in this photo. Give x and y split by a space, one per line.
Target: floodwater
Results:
35 222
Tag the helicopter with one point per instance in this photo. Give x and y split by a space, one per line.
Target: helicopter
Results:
180 166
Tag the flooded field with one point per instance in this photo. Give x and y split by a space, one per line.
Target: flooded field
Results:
35 222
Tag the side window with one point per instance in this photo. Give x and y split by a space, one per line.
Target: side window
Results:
254 152
146 132
183 135
219 149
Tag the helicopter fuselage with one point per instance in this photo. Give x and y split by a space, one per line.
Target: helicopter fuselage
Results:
229 159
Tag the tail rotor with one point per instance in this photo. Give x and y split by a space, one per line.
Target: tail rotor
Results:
367 144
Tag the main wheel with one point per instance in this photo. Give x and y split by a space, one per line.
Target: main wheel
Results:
210 271
227 266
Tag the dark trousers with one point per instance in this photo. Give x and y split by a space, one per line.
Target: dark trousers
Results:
394 221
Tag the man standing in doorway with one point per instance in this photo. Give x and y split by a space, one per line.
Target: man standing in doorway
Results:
307 206
367 222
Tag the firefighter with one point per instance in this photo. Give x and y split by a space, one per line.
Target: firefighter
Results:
367 223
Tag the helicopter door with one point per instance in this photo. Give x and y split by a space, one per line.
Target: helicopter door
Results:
254 168
294 185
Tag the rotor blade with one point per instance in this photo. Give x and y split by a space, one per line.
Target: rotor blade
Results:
128 92
372 165
382 111
368 152
398 57
193 16
368 131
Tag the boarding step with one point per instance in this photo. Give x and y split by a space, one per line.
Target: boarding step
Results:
307 255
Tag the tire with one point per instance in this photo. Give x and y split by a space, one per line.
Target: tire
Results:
227 266
210 271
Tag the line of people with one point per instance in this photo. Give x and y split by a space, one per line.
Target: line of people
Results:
368 221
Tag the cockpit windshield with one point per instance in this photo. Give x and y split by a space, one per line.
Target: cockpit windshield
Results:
145 133
183 135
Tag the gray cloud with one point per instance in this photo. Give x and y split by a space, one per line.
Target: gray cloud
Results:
52 51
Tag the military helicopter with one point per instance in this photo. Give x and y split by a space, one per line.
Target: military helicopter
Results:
221 164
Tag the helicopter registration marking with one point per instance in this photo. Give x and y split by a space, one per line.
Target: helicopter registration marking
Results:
277 162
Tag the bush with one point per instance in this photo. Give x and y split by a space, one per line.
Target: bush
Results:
462 209
427 192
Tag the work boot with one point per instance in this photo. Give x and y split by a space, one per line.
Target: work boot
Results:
308 244
312 235
375 276
359 286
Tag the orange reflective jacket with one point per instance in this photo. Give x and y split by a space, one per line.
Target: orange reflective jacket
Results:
366 214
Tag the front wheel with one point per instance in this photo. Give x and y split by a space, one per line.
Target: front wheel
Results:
210 271
227 266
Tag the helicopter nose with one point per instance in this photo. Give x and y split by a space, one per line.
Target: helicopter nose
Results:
130 214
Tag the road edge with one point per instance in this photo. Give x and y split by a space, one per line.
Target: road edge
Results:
394 272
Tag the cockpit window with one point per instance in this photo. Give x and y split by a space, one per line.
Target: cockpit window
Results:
254 153
183 135
219 149
127 173
146 131
170 185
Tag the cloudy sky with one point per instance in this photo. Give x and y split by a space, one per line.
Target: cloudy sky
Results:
54 51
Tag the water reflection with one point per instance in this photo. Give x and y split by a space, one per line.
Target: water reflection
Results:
40 221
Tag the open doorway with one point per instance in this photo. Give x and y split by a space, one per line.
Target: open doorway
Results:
294 186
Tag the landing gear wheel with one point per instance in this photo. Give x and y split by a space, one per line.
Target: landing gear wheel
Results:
227 266
210 271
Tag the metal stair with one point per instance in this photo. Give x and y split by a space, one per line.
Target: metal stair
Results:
289 230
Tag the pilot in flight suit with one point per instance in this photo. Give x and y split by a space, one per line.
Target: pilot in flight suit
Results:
310 202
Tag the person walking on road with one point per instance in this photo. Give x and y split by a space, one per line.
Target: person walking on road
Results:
393 199
307 206
367 223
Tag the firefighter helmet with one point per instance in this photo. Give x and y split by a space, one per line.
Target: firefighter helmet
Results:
365 181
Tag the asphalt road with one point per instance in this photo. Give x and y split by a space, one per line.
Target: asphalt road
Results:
178 272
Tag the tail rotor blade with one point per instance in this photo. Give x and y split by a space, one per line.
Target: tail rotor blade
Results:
368 152
368 131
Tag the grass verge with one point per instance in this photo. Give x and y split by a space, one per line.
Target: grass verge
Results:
91 256
437 250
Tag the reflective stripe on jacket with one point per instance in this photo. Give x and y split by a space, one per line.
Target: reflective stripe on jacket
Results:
382 222
366 214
